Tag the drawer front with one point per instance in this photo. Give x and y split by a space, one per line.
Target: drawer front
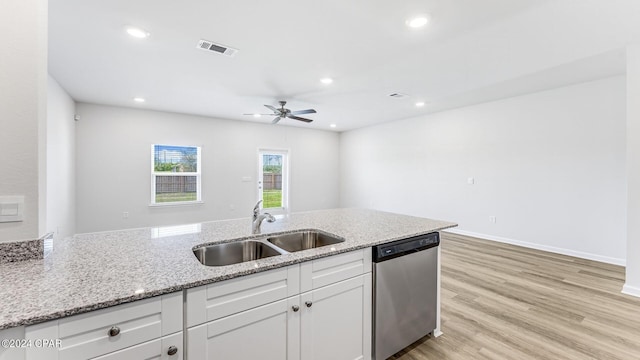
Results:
214 301
157 349
90 335
322 272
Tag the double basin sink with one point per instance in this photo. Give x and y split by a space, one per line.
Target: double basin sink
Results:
271 245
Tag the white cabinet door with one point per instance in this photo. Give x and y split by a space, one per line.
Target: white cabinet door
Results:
268 332
336 321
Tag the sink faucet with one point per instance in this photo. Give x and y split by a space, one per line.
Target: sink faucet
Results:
258 217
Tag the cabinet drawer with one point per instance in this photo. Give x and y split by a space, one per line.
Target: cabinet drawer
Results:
217 300
88 335
157 349
321 272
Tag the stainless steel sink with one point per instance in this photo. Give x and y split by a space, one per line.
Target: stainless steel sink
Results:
303 240
236 252
233 252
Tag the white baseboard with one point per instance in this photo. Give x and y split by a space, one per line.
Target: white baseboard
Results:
631 290
562 251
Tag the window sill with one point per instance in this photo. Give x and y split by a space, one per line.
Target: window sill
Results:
177 203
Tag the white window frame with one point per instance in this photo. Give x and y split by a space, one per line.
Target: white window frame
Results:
197 174
285 178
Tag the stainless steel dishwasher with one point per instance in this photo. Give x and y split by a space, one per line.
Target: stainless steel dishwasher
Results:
405 292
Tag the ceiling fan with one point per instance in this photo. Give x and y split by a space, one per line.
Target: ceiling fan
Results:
282 113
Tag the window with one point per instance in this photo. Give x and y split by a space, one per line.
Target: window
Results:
175 174
273 179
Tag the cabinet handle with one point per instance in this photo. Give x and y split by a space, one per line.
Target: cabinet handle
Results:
295 308
172 350
114 331
308 303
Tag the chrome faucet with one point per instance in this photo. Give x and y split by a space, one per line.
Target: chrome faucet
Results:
258 217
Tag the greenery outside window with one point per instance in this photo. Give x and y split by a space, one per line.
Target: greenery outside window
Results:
175 174
273 180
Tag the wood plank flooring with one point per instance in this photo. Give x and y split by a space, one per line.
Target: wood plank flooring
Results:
502 301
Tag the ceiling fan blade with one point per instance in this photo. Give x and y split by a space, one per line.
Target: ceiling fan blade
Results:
300 112
300 119
275 121
272 108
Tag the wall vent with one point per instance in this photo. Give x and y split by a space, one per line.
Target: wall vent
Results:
220 49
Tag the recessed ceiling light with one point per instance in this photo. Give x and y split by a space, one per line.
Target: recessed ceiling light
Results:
420 104
139 99
417 22
333 125
256 115
138 33
326 81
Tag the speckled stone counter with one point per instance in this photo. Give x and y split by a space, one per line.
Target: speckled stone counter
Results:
92 271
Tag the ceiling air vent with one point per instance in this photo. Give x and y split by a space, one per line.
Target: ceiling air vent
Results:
220 49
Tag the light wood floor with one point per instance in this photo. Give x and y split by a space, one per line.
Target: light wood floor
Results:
507 302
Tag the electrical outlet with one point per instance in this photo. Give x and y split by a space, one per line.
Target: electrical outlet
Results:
125 215
492 219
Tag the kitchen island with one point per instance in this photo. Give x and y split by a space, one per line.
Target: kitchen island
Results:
93 271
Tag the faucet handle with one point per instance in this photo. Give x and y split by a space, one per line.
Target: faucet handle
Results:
256 209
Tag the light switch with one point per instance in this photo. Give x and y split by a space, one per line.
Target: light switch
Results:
11 208
471 181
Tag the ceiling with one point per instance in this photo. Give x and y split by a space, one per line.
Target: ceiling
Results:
285 48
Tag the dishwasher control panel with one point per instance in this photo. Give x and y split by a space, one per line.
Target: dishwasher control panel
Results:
405 246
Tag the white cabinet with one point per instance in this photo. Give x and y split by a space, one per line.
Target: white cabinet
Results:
251 317
336 321
268 332
140 327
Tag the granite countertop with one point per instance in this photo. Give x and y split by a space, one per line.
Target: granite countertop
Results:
97 270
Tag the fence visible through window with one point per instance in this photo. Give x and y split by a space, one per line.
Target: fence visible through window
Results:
175 174
273 179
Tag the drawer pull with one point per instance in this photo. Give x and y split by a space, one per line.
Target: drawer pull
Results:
172 350
114 331
308 303
295 308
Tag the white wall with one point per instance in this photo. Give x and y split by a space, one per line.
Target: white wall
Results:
550 167
632 284
61 169
23 76
113 166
